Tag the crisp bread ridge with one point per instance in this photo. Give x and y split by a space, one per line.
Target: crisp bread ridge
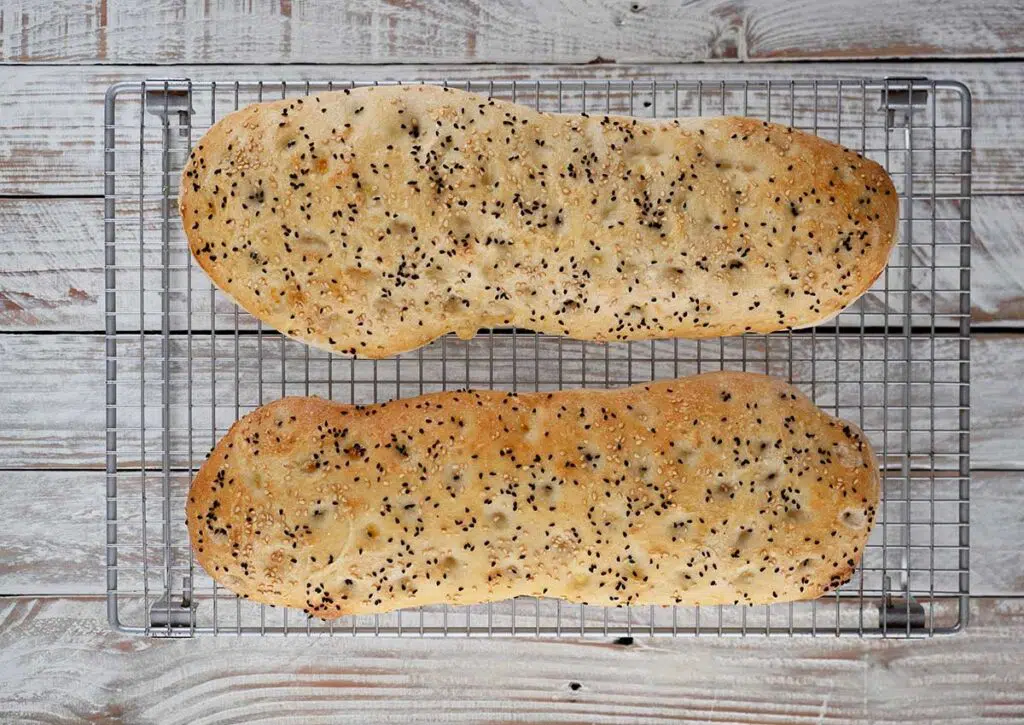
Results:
718 488
372 221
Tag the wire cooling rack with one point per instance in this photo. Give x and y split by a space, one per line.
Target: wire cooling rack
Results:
183 363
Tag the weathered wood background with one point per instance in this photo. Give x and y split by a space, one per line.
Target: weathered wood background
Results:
58 660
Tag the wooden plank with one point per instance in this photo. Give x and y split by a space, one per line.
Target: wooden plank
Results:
302 31
54 531
997 560
52 148
60 662
51 268
51 271
997 231
53 387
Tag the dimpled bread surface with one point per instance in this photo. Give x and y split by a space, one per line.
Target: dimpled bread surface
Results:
372 221
715 489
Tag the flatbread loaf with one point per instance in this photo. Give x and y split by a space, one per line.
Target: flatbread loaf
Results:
715 489
372 221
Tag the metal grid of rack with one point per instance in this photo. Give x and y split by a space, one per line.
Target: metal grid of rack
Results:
183 363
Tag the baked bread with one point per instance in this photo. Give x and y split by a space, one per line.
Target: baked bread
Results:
372 221
719 488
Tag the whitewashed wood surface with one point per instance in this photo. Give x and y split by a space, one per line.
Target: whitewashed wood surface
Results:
518 31
62 664
59 661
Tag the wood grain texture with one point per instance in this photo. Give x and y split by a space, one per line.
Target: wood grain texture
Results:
53 524
51 118
53 391
55 532
997 231
51 266
60 663
465 31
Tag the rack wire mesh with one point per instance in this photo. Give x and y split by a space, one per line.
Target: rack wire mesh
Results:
183 363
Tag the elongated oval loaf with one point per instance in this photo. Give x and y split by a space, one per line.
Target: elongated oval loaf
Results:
720 488
372 221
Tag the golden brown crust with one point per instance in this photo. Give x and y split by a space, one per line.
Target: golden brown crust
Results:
373 221
719 488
